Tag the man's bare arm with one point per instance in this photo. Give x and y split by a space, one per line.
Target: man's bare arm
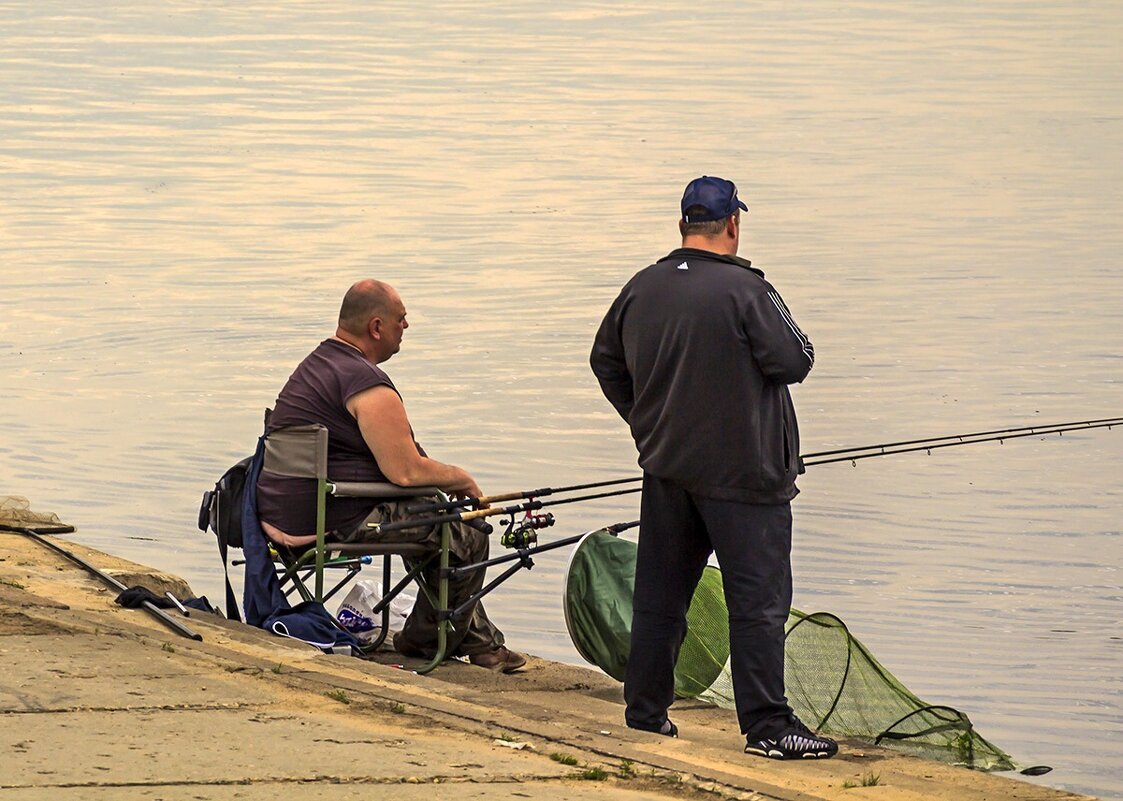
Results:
385 427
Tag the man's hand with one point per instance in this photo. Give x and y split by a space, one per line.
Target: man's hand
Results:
473 492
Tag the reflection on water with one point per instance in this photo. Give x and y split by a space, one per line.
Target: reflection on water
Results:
934 188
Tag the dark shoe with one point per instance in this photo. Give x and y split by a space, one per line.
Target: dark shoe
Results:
795 742
408 649
501 660
668 729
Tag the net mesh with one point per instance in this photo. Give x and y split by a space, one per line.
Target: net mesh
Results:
706 647
16 511
833 682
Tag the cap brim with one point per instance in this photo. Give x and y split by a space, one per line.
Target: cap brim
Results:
741 203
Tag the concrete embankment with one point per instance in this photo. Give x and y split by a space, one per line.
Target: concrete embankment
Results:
99 702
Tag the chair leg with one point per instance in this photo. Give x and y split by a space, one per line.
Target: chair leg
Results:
352 571
444 621
384 630
321 525
382 608
302 587
298 582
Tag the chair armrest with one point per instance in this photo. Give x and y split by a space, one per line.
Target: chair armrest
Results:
370 489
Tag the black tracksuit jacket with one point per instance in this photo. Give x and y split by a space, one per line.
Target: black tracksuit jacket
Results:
696 354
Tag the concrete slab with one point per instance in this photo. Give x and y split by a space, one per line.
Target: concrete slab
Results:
61 672
99 702
541 790
217 746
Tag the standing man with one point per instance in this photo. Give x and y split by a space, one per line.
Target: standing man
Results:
341 386
696 354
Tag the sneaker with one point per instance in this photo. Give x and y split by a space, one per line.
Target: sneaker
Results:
795 742
501 660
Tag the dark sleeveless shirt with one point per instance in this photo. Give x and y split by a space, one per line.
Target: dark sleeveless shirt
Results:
317 392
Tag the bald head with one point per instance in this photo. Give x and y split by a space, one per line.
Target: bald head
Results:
372 319
366 299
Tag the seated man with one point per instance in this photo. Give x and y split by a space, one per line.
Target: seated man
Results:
340 386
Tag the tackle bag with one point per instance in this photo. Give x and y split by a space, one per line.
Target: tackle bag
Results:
221 512
221 509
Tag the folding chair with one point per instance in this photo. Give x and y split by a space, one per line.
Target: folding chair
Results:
302 452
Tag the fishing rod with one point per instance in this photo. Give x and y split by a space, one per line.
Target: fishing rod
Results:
1106 422
476 514
888 449
487 500
151 608
839 455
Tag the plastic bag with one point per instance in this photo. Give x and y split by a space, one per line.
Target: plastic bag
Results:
356 613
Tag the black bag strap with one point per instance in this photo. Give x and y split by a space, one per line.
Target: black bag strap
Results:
232 611
210 517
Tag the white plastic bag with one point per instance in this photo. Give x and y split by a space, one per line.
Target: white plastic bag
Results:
356 613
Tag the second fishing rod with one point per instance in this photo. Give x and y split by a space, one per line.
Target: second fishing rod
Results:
819 457
487 500
478 508
477 514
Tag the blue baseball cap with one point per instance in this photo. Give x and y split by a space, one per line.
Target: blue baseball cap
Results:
716 195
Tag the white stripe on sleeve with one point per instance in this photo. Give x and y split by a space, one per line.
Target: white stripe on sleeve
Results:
804 342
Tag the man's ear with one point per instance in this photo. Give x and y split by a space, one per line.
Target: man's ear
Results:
731 226
374 327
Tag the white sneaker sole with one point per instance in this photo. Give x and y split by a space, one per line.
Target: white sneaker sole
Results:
774 754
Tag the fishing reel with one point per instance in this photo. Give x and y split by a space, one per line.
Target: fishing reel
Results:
524 533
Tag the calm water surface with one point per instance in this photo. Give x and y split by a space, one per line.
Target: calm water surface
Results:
188 188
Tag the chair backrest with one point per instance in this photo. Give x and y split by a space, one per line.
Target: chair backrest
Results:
302 452
297 452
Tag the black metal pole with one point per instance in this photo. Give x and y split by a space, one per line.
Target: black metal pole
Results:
614 529
149 607
518 554
523 556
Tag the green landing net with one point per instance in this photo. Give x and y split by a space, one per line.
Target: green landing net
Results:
833 682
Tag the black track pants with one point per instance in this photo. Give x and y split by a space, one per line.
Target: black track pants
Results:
678 531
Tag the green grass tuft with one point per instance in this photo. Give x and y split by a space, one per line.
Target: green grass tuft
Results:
871 779
592 774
